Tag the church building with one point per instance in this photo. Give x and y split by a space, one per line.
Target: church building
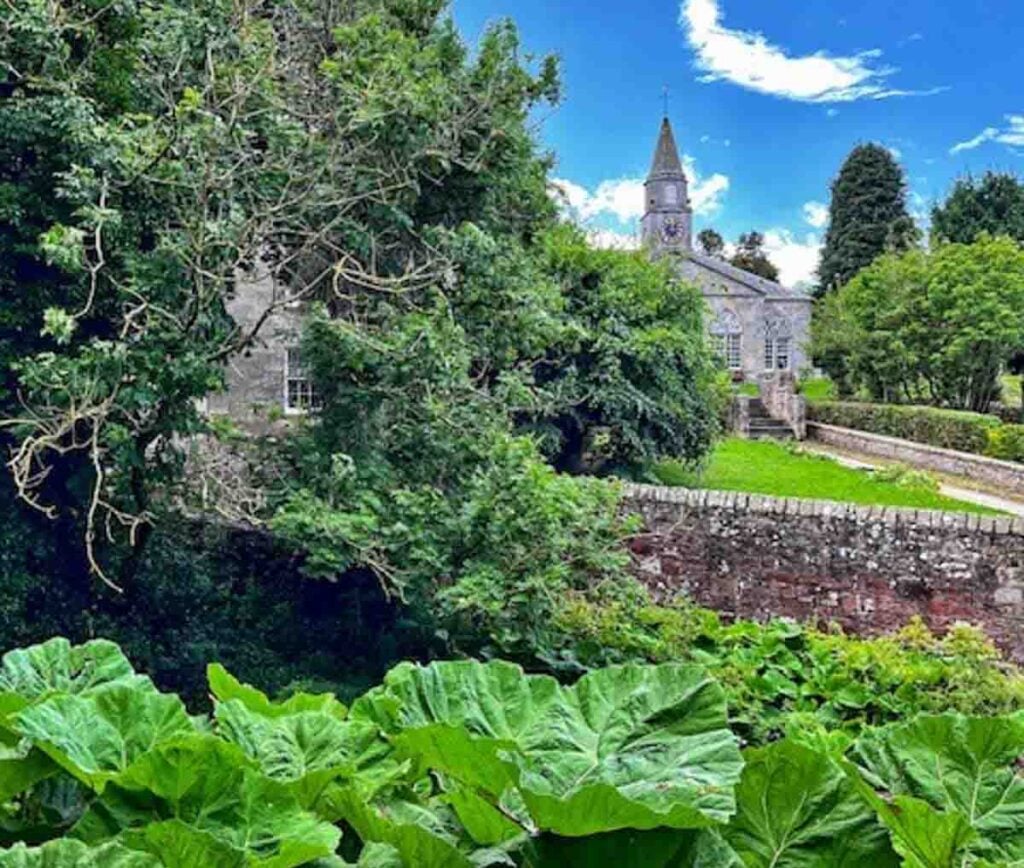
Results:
757 325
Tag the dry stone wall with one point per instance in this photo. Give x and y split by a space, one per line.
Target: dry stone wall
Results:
867 568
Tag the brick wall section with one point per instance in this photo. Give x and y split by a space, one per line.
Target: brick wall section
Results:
1008 475
868 568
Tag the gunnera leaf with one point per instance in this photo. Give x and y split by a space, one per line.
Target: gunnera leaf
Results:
626 747
222 806
307 751
796 808
67 853
963 768
98 734
225 687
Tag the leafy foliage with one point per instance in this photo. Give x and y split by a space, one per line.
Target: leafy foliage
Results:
478 764
751 256
933 327
867 216
991 205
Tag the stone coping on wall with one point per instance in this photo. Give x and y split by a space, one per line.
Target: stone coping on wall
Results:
735 501
1008 475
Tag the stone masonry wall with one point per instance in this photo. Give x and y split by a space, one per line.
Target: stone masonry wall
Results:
867 568
1008 475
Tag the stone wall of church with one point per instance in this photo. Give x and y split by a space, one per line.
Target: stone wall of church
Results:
869 569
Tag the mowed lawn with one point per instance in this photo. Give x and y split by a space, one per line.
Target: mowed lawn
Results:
766 467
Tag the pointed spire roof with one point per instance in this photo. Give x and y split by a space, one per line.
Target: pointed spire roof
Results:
666 162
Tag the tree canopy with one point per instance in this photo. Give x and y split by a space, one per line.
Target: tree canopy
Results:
992 204
867 216
933 327
750 255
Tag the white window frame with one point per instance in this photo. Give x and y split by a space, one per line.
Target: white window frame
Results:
734 352
778 353
295 375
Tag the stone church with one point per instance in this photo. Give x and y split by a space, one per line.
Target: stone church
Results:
757 325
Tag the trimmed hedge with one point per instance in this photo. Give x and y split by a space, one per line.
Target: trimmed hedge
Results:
948 429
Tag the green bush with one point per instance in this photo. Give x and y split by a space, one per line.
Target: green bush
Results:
1006 442
948 429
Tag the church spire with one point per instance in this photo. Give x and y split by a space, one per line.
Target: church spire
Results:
668 217
666 163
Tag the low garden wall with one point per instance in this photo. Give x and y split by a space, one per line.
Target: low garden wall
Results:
1006 475
870 569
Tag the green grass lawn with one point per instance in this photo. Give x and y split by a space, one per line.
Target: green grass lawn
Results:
819 389
765 467
1011 390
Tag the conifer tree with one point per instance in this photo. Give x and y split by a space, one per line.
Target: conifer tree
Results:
867 216
992 204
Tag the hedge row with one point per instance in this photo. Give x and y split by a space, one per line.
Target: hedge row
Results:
948 429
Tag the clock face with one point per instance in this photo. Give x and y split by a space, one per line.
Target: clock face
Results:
672 230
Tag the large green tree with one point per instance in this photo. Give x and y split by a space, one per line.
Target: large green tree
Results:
867 216
992 204
931 327
154 153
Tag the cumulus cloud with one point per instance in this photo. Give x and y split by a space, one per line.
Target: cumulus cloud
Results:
622 199
796 258
748 59
1012 134
816 214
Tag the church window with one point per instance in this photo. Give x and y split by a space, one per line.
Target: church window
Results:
727 340
300 394
777 353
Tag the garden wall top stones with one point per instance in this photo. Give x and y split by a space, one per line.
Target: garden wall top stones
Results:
869 569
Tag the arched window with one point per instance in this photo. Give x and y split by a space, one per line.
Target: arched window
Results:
727 339
778 345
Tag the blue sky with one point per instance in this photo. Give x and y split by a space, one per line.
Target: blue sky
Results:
767 98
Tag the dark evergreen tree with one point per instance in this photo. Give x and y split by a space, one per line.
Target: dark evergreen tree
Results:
750 256
711 243
867 216
992 204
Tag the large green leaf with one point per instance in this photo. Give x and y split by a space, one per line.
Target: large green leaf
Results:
97 735
963 768
626 747
220 803
57 666
797 809
67 853
225 687
308 750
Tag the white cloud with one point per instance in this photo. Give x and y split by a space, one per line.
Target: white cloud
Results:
797 259
608 239
1012 135
897 154
816 214
832 112
748 59
622 199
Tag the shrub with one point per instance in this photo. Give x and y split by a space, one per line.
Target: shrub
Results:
1006 442
948 429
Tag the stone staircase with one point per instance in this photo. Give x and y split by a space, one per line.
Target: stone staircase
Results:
764 427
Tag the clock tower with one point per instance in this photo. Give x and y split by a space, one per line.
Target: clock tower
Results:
668 217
